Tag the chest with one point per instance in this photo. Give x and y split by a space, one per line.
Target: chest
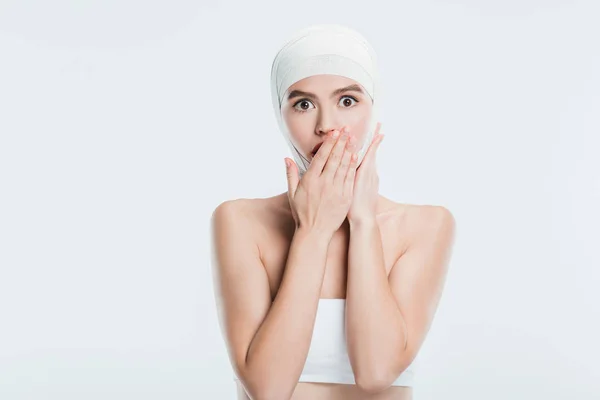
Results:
336 265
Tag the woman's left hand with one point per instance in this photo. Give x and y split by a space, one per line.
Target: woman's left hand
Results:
366 184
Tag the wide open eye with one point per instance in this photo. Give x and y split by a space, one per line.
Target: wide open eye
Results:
347 101
302 105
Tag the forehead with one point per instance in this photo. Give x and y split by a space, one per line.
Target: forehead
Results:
322 84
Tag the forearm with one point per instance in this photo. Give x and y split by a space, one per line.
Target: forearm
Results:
376 333
279 349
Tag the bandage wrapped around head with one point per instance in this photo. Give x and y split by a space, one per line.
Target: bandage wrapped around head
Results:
324 49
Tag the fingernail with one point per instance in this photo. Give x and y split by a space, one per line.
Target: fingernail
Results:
336 133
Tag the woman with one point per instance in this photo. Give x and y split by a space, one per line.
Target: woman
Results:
327 291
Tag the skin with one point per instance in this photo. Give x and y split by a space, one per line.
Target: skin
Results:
309 118
386 256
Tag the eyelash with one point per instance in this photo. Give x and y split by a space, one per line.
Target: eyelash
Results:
303 111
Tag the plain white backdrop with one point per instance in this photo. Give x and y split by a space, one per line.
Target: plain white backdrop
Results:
125 123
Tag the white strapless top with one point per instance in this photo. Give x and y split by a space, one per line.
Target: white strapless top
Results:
327 359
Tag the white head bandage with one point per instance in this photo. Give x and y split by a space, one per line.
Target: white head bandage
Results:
324 49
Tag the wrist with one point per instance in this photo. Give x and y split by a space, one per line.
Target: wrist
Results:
362 222
312 234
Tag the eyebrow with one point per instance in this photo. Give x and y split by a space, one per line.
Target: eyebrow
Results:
351 88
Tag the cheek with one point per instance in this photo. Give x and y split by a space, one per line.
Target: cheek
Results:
359 127
297 129
292 123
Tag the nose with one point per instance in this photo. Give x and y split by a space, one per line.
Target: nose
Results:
326 123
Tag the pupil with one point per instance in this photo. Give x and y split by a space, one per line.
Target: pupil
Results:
347 102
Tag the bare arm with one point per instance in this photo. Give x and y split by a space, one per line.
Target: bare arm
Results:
388 318
267 342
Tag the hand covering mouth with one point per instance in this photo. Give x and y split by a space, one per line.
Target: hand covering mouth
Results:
315 149
324 49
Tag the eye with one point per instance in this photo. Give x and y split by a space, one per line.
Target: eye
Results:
304 105
348 99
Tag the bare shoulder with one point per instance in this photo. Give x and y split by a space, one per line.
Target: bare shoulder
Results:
255 217
421 221
431 216
239 207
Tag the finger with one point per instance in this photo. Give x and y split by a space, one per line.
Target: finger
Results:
350 175
369 155
375 148
292 177
320 159
368 163
340 174
333 162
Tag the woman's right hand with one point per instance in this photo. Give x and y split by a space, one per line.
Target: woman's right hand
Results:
322 198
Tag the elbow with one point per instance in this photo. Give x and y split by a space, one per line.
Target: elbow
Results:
376 380
268 395
379 377
264 389
272 393
373 384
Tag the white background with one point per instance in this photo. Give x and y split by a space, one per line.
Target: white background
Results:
125 123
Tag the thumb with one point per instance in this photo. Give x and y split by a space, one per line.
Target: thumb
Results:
292 176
